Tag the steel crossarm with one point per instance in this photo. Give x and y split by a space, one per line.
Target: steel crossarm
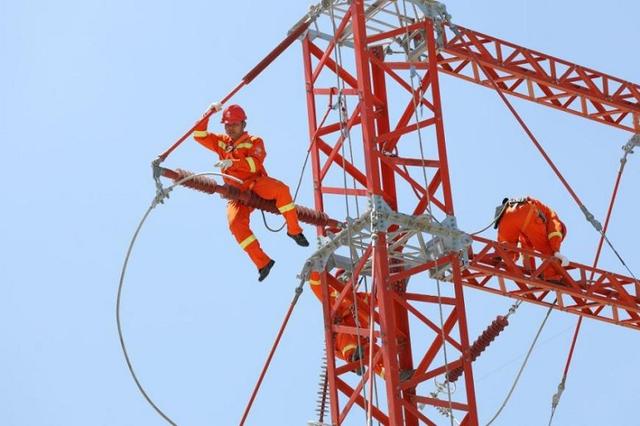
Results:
522 72
542 78
608 296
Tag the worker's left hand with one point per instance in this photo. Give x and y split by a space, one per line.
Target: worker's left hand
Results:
564 262
223 164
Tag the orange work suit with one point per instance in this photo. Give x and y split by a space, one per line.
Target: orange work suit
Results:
345 343
535 226
247 154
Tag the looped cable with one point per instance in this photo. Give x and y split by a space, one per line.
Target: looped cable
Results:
161 194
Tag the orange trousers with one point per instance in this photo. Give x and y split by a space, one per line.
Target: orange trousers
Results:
238 216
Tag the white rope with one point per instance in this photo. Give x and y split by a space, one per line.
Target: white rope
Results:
295 196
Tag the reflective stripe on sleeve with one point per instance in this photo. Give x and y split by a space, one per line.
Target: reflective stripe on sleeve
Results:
244 145
554 234
252 164
287 207
200 133
346 349
222 145
314 282
244 243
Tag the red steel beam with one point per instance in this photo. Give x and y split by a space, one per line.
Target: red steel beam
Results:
608 296
542 78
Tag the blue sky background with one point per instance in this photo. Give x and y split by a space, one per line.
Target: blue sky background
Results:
92 91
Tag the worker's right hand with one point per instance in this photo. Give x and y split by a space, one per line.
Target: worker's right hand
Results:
223 164
214 107
564 262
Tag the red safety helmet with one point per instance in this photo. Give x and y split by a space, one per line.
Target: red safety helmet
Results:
233 114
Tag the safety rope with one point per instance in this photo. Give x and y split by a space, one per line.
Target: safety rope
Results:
345 132
161 195
296 296
628 149
524 364
495 219
304 166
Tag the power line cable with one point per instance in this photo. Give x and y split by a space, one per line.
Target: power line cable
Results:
161 195
524 364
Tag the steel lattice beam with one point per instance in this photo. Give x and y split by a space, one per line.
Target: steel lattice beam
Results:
542 78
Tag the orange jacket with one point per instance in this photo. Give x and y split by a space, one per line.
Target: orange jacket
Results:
247 153
533 224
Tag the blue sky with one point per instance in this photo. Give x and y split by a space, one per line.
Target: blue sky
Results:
92 91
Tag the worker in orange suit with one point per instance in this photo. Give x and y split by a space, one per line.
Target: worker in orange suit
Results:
535 226
346 345
242 156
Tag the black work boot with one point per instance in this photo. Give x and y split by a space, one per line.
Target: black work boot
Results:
405 375
264 271
356 356
300 239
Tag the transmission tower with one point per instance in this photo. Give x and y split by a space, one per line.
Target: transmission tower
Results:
378 149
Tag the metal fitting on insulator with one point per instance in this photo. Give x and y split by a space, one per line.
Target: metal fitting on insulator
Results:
488 335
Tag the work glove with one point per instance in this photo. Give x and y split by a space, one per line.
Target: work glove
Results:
215 107
223 164
564 262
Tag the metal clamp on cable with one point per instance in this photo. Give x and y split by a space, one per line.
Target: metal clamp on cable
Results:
314 11
628 147
161 193
591 218
437 12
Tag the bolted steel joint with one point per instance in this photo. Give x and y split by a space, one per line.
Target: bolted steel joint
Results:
633 143
379 216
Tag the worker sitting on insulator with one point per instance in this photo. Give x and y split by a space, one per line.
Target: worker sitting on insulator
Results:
242 156
347 346
535 226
